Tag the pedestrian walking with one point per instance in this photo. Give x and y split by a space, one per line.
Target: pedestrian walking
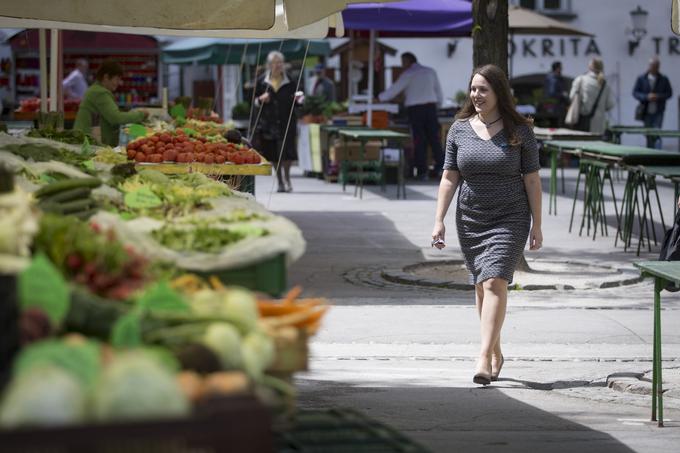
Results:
652 89
323 86
555 89
276 127
491 153
422 96
75 84
595 96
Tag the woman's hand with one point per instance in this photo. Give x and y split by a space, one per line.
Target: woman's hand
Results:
263 98
438 233
535 238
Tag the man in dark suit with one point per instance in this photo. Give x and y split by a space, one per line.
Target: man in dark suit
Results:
652 89
555 88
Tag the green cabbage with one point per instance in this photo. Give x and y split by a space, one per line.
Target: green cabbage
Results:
137 386
258 353
236 305
224 340
43 395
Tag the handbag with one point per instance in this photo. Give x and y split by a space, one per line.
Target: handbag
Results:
640 112
574 108
670 247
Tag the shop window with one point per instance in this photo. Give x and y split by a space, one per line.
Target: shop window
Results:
560 9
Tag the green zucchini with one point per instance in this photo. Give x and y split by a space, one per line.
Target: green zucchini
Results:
68 195
49 206
67 184
77 205
86 214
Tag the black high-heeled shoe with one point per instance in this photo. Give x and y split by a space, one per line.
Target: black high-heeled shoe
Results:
482 378
494 376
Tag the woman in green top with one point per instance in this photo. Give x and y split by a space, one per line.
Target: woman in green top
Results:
98 108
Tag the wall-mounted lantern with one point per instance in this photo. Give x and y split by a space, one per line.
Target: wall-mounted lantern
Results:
639 18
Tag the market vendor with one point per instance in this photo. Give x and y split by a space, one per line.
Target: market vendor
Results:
98 113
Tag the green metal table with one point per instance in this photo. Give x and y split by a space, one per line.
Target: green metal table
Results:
663 273
611 154
366 135
544 134
619 130
670 172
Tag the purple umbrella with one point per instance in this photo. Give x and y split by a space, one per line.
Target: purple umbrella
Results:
411 17
407 18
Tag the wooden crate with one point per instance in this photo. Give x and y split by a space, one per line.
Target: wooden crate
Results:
222 425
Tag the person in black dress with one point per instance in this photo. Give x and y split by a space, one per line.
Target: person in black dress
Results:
276 127
491 153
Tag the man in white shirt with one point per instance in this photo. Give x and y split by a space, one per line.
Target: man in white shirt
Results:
75 84
422 96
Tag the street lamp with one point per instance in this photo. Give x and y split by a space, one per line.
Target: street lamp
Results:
639 18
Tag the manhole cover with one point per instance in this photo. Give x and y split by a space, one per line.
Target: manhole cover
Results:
544 274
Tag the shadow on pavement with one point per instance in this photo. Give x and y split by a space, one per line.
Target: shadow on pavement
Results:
342 242
474 419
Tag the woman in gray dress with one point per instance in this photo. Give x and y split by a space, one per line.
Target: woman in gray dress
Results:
491 153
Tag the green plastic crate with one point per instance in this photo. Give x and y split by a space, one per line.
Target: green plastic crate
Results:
267 276
342 431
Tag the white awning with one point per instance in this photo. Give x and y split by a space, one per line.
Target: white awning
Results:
209 18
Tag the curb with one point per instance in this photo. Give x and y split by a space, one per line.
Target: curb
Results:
402 277
641 384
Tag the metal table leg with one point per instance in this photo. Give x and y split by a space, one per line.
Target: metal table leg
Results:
552 201
657 379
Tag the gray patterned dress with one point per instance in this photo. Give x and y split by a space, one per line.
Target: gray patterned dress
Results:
492 215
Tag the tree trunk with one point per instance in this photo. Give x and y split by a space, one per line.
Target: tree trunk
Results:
490 33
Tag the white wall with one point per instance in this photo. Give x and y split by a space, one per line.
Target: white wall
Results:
608 20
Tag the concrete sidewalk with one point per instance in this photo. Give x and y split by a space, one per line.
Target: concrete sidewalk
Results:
575 377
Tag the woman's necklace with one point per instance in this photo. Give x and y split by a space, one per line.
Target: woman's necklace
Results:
488 125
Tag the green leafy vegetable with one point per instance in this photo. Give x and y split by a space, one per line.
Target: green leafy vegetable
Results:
42 286
79 358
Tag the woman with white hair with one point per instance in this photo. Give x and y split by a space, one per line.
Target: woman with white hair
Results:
275 93
596 98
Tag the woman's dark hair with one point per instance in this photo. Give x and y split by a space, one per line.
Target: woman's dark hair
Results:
110 68
506 104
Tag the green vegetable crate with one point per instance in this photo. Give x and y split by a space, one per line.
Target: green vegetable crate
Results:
222 425
268 276
342 431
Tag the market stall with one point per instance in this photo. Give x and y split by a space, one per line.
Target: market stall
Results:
139 56
117 280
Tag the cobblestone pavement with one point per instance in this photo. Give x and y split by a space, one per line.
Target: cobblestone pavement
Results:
578 361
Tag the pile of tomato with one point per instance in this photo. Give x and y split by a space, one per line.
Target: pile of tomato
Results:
179 147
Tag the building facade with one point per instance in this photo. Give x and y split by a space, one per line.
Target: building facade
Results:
611 24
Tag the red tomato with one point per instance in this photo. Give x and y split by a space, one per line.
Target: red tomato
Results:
140 157
199 148
131 153
219 159
200 157
154 138
166 138
190 157
210 158
133 145
237 159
